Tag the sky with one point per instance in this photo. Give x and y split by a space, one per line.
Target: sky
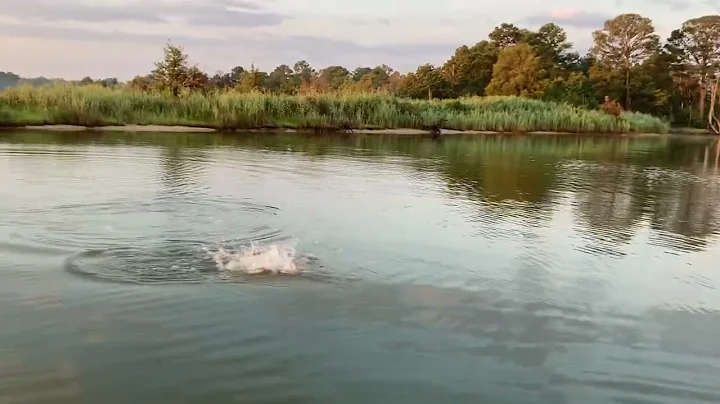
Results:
122 38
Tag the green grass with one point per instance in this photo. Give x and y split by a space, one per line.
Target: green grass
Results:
97 106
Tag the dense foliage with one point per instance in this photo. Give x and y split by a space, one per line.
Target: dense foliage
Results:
628 68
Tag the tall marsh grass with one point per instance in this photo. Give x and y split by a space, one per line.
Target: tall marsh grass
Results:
98 106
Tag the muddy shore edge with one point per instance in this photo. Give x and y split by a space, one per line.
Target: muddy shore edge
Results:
191 129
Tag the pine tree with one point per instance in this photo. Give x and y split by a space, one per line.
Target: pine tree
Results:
172 72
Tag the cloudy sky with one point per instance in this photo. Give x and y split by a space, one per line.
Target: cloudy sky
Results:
122 38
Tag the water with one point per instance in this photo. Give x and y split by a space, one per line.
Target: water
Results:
465 270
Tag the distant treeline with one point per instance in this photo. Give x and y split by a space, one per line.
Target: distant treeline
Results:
628 65
8 79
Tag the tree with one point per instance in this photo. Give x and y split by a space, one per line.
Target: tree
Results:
280 80
507 35
470 70
109 82
387 69
652 85
376 78
551 45
142 83
222 80
696 48
237 71
196 79
583 64
359 72
517 72
8 79
625 41
172 72
426 82
253 79
575 88
333 77
394 81
304 74
607 82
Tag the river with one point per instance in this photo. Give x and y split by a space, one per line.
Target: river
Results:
468 269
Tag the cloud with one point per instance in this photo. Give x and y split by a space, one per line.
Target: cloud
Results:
220 13
676 5
564 13
714 4
269 41
264 49
370 21
570 17
75 34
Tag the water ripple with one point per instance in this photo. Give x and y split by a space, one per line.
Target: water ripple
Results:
498 269
183 262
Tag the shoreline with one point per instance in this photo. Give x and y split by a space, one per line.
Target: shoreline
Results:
103 109
396 131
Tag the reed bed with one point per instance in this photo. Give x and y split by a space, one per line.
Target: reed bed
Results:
98 106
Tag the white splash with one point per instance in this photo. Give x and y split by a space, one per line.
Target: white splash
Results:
278 258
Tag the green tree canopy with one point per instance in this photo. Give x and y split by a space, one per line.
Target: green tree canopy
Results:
696 48
426 82
625 41
171 73
333 77
517 72
281 80
470 69
506 35
553 48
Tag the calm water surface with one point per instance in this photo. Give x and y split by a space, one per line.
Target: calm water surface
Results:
466 270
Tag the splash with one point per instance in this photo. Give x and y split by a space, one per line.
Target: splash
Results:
277 258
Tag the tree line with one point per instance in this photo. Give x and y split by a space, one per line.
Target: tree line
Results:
628 66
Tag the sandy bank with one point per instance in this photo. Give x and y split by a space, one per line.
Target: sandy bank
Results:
190 129
690 131
125 128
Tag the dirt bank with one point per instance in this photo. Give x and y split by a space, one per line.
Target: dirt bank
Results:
190 129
